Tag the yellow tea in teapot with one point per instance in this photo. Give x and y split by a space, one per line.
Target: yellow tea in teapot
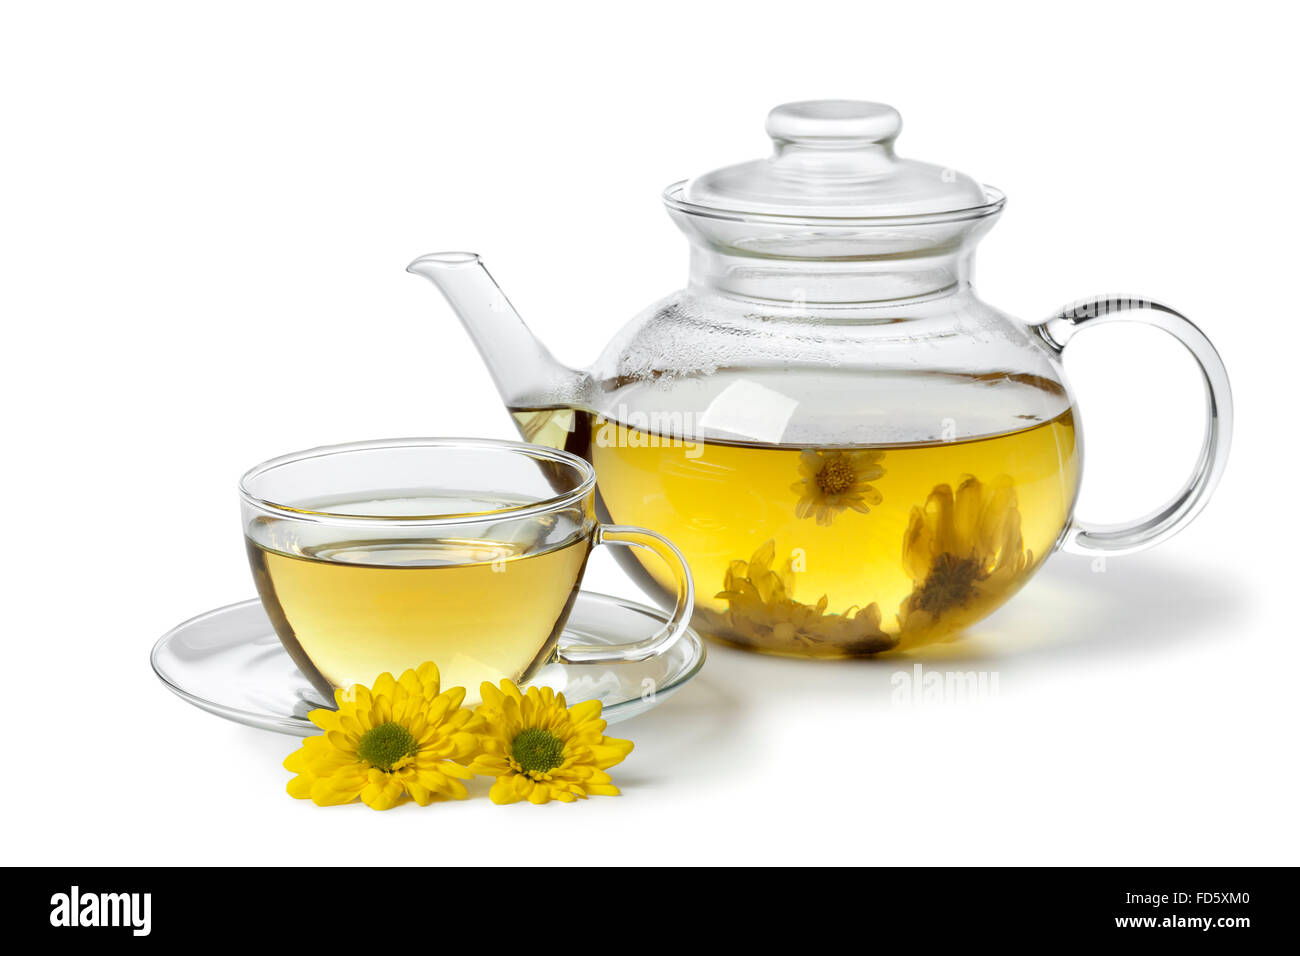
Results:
348 610
835 551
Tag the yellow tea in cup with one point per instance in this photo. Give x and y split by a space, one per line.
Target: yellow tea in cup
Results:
379 556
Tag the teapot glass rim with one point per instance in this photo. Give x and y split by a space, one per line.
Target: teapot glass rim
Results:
997 199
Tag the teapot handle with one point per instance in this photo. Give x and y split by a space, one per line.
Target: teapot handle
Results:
1082 537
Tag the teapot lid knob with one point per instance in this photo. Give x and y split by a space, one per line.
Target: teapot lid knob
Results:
834 158
833 123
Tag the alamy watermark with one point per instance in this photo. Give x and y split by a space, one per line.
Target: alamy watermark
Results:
76 908
633 428
1095 308
922 686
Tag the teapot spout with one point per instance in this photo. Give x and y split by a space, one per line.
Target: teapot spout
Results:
525 372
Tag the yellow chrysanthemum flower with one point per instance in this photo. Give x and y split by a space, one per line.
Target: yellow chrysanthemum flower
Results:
964 553
396 738
833 481
762 611
540 750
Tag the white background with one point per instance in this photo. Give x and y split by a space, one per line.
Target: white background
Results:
206 212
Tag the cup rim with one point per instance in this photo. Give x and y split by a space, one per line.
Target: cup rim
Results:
541 506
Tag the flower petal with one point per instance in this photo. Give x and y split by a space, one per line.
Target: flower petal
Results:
382 794
587 710
503 791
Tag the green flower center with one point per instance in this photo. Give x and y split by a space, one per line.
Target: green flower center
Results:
950 583
836 477
537 750
385 745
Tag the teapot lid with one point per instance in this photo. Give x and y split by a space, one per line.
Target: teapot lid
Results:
834 158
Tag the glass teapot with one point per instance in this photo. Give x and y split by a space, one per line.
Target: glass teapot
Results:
854 452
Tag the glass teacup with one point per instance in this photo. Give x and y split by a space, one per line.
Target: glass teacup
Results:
378 556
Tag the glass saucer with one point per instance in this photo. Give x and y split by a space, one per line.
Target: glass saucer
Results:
230 662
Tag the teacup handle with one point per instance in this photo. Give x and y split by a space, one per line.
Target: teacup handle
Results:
1083 537
630 537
